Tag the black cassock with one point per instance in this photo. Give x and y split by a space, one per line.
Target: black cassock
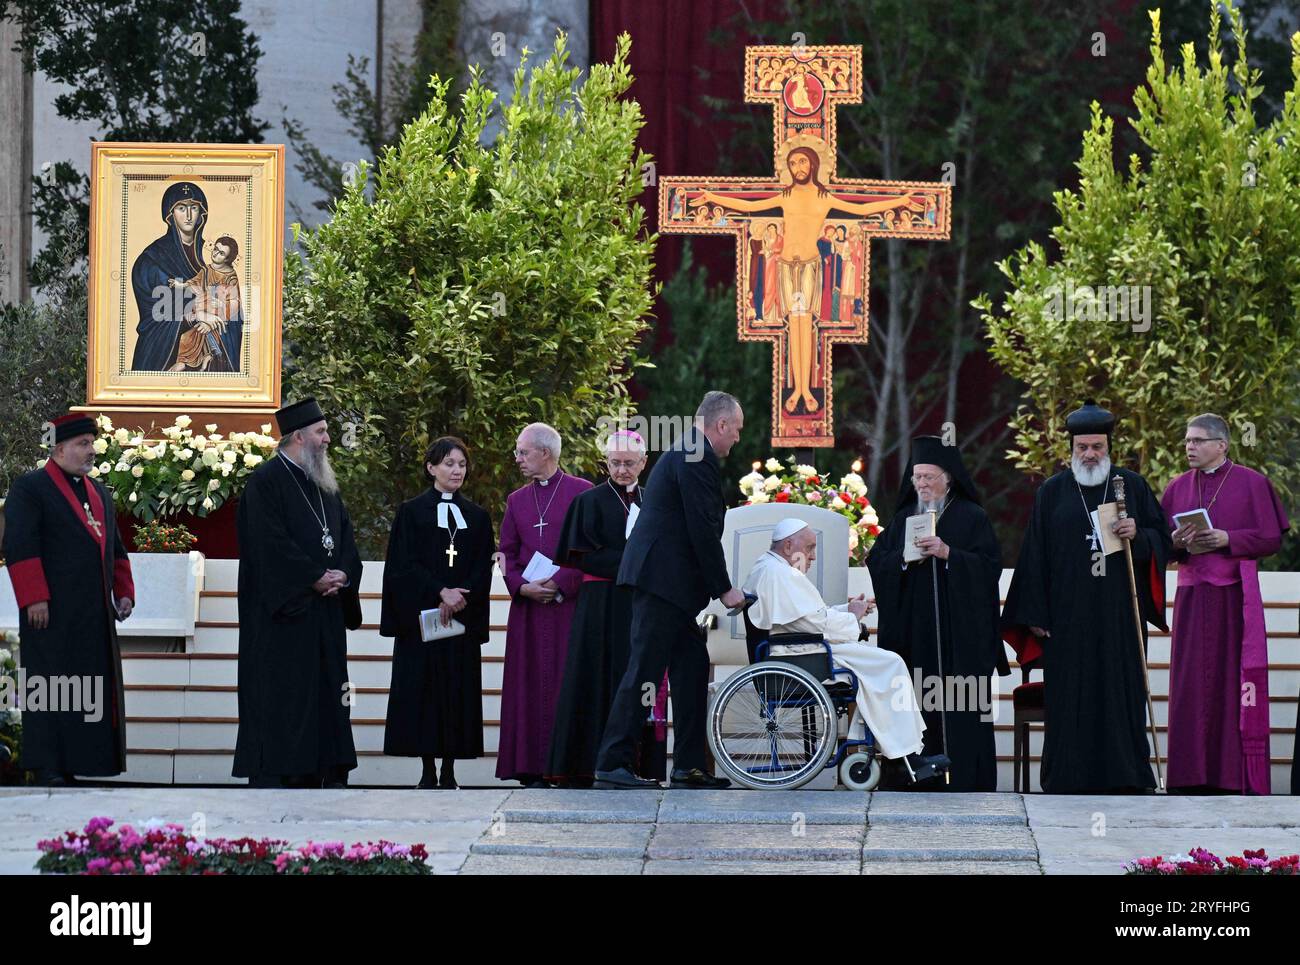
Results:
435 700
294 697
1095 736
592 540
968 621
55 555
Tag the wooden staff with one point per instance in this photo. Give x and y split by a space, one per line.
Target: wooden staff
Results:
1117 482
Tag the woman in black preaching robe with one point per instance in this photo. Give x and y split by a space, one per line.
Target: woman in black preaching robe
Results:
968 616
592 540
435 700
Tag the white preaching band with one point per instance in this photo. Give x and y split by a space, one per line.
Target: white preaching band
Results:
788 602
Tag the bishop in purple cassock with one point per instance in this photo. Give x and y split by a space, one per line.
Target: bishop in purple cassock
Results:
1218 669
537 633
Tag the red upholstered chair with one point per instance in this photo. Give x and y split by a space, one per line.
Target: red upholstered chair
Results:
1027 700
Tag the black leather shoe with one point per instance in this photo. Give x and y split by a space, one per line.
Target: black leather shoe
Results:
446 783
621 779
698 780
427 784
921 768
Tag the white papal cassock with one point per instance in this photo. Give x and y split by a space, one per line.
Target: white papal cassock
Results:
788 602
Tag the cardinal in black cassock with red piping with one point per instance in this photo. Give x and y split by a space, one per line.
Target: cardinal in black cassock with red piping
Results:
594 536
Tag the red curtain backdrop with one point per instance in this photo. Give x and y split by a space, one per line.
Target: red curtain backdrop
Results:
677 63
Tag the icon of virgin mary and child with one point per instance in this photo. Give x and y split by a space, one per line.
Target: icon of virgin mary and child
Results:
191 318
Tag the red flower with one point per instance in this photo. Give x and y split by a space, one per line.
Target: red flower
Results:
861 500
814 480
781 498
873 530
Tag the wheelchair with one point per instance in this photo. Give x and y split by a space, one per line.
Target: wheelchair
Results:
775 724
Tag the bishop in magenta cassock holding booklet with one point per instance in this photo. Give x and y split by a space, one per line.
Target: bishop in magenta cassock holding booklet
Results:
543 599
1218 668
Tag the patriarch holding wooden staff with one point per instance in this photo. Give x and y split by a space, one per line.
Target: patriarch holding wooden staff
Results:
1071 606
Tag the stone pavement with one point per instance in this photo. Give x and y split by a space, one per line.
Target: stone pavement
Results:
503 831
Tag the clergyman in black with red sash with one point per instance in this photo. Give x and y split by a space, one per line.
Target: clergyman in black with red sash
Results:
72 579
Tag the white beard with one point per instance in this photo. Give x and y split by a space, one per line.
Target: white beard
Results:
1090 477
316 464
931 507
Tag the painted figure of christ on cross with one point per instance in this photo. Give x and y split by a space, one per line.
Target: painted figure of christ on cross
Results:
803 258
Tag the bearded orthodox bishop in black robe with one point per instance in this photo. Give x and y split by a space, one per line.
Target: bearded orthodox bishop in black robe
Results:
957 657
299 576
1095 737
441 541
66 560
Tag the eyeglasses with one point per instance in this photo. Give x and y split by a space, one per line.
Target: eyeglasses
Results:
926 477
1198 441
522 453
623 463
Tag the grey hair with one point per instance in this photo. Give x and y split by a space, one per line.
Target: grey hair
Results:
543 436
716 405
1213 424
289 440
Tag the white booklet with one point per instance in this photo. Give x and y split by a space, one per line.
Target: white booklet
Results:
632 514
917 527
539 568
1199 520
431 627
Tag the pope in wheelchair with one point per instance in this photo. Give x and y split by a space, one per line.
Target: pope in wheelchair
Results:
808 666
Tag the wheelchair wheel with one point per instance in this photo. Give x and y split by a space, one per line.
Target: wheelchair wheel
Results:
860 771
772 725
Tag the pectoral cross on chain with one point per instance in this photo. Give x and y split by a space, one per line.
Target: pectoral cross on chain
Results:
94 523
451 555
1092 539
538 526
